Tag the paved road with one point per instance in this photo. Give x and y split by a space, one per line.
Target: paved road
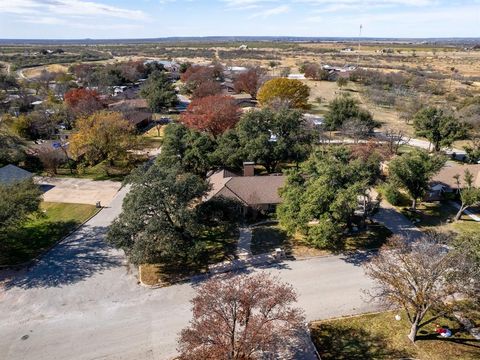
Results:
81 301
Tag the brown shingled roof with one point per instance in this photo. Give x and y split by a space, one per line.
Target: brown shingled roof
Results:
251 190
447 173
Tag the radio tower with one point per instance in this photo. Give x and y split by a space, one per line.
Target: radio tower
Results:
359 36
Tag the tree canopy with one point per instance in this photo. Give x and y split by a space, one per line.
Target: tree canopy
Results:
249 81
163 219
191 149
212 114
83 101
267 137
344 109
439 128
159 92
319 200
17 202
469 194
242 317
11 148
412 171
418 276
102 136
290 93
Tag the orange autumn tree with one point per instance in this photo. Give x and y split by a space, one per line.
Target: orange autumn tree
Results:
102 136
243 318
212 114
83 101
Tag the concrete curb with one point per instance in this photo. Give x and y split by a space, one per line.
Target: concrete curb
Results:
37 258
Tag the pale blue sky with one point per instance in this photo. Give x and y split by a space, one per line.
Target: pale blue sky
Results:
64 19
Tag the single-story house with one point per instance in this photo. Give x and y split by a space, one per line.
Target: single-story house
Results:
139 119
135 111
445 182
10 174
129 104
257 193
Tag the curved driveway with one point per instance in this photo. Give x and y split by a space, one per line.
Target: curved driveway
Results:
82 302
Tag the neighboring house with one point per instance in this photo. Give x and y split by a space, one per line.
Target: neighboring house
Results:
244 100
135 111
228 85
10 174
137 104
255 193
139 119
445 182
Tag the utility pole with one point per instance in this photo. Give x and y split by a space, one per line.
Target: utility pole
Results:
359 36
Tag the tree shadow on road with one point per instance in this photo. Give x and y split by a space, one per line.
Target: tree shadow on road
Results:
358 258
78 257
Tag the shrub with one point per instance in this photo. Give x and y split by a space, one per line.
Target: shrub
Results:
392 194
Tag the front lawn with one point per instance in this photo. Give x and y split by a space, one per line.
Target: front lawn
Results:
439 216
219 245
40 232
380 336
266 238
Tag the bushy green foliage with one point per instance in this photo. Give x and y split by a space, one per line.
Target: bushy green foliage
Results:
319 200
345 108
159 92
266 137
439 128
412 171
17 202
161 219
192 150
392 194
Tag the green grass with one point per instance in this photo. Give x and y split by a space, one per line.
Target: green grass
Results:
40 232
380 336
439 216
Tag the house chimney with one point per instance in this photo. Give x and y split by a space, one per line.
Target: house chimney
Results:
248 168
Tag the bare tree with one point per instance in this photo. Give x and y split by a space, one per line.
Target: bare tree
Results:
395 139
242 317
418 276
356 129
51 159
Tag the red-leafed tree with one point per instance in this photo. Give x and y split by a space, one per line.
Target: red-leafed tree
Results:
198 73
250 81
83 101
206 88
241 318
212 114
